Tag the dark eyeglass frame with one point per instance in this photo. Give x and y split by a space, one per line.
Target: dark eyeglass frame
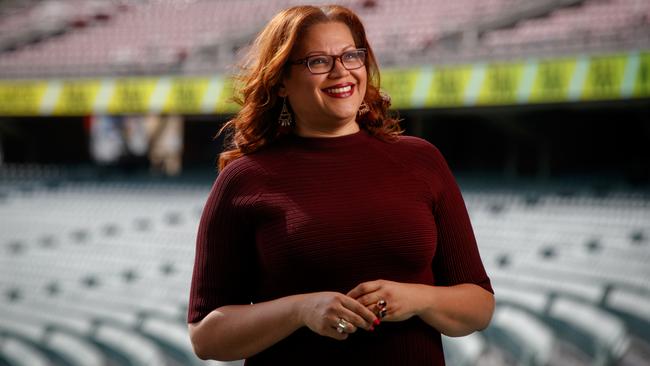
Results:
305 61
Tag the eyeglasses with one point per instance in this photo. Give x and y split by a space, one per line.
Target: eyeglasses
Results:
323 64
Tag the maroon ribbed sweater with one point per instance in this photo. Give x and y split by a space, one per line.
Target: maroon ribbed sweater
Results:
325 214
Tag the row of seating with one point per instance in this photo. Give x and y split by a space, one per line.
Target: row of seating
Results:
569 270
199 36
85 282
592 20
599 334
117 299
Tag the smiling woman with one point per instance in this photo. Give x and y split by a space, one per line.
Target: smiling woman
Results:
326 95
301 48
329 238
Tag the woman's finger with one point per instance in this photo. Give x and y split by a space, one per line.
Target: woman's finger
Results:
370 299
363 316
356 320
364 288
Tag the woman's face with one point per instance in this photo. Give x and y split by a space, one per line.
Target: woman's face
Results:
325 104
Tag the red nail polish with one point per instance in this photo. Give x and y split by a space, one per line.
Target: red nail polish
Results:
376 321
372 329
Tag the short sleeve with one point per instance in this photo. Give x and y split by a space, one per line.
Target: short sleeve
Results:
225 259
457 259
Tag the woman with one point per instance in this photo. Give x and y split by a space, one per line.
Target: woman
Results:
328 238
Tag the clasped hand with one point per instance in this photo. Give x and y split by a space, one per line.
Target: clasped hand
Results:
323 312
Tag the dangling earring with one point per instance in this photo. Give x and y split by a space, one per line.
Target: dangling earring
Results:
363 109
285 117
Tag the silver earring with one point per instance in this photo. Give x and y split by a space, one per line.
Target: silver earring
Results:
363 109
285 117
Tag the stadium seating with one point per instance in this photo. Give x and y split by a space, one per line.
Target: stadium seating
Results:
99 271
74 349
464 351
633 307
560 255
606 335
14 351
154 37
594 20
529 338
105 286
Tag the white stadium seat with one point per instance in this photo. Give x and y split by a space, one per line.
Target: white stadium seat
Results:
609 334
464 351
19 353
109 266
535 338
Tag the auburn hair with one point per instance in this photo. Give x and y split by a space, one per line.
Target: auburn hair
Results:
256 124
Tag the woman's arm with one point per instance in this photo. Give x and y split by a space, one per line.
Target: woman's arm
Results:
237 331
454 310
234 332
457 310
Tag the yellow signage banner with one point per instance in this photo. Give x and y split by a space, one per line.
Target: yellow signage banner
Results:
604 78
400 85
567 79
552 80
186 95
501 84
449 86
642 80
77 97
22 97
225 102
131 95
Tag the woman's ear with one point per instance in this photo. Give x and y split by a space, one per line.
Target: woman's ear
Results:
282 91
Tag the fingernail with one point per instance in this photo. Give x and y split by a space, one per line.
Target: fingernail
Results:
372 329
376 321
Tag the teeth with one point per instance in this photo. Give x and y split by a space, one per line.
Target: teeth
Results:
344 89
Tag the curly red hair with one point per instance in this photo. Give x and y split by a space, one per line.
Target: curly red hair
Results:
256 124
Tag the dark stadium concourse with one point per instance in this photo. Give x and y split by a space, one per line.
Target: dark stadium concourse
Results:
44 140
605 139
590 140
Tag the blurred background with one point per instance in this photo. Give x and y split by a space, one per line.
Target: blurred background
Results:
108 112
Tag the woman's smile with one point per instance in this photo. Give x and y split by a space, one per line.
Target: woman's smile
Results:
342 90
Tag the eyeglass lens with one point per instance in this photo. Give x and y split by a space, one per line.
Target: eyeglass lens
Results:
320 64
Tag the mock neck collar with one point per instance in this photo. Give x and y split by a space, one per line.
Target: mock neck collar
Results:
352 139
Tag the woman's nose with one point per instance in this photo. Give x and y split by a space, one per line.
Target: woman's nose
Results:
339 70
